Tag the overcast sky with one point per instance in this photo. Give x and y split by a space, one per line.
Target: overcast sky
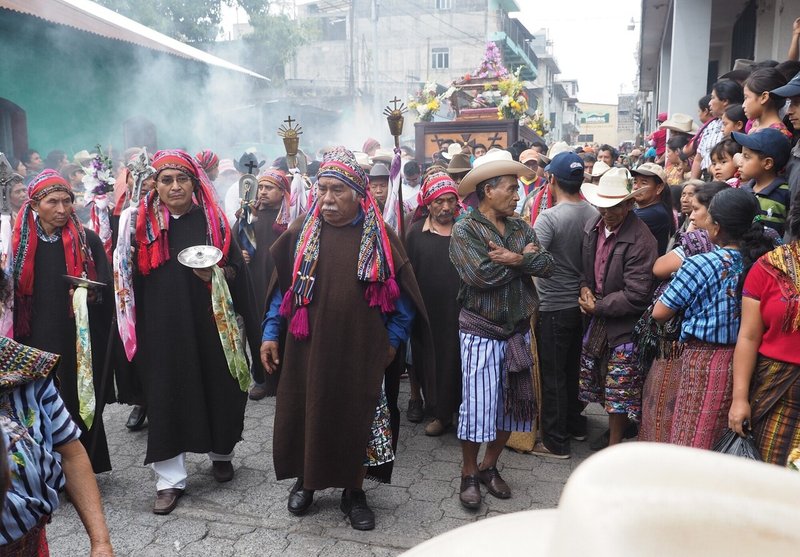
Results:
591 42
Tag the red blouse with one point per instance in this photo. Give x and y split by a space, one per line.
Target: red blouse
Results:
776 343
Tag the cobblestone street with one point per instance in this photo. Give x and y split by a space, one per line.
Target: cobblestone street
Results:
248 516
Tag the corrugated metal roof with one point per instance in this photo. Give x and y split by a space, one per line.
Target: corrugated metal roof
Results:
88 16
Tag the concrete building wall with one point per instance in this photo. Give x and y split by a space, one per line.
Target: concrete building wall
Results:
683 36
599 121
774 28
691 37
403 61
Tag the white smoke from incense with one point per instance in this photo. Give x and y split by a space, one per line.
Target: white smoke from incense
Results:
194 106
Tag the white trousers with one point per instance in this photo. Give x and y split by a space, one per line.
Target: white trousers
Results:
171 473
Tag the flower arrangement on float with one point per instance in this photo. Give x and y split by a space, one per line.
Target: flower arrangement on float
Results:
492 65
425 102
513 100
536 122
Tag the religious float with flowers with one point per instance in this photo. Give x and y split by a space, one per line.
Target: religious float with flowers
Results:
491 108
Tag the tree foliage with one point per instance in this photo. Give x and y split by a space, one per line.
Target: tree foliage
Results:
191 21
274 40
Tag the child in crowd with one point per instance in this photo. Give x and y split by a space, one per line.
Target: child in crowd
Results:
723 164
733 119
674 168
760 104
764 154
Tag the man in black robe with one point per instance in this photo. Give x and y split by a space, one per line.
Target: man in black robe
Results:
272 212
50 242
194 404
428 245
350 297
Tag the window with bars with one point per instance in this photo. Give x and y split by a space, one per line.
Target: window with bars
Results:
444 4
440 58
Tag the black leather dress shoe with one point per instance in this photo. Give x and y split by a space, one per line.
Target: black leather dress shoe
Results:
137 418
300 499
354 505
416 411
222 470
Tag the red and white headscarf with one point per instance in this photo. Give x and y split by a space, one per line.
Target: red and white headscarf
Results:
208 159
435 185
152 226
25 240
279 179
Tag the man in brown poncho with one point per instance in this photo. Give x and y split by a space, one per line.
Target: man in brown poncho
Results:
346 288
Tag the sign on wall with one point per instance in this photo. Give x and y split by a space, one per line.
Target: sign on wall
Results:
595 118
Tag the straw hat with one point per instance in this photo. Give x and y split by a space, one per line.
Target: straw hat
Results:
556 148
680 123
363 160
671 500
599 168
651 169
613 189
382 155
452 149
83 157
459 163
497 162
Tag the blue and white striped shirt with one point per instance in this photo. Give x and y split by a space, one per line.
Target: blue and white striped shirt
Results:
34 422
704 288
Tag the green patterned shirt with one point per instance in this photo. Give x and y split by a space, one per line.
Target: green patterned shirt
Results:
500 293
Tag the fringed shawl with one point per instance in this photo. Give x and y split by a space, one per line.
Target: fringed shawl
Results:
24 241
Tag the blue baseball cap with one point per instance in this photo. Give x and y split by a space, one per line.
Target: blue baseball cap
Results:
566 166
770 142
791 89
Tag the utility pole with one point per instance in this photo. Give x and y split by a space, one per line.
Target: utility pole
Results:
351 24
376 104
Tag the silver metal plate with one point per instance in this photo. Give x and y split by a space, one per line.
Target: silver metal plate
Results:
80 281
200 257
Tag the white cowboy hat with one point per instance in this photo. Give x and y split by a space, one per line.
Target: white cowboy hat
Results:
651 169
382 155
555 148
363 160
83 157
671 500
613 189
679 123
497 162
599 168
452 149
